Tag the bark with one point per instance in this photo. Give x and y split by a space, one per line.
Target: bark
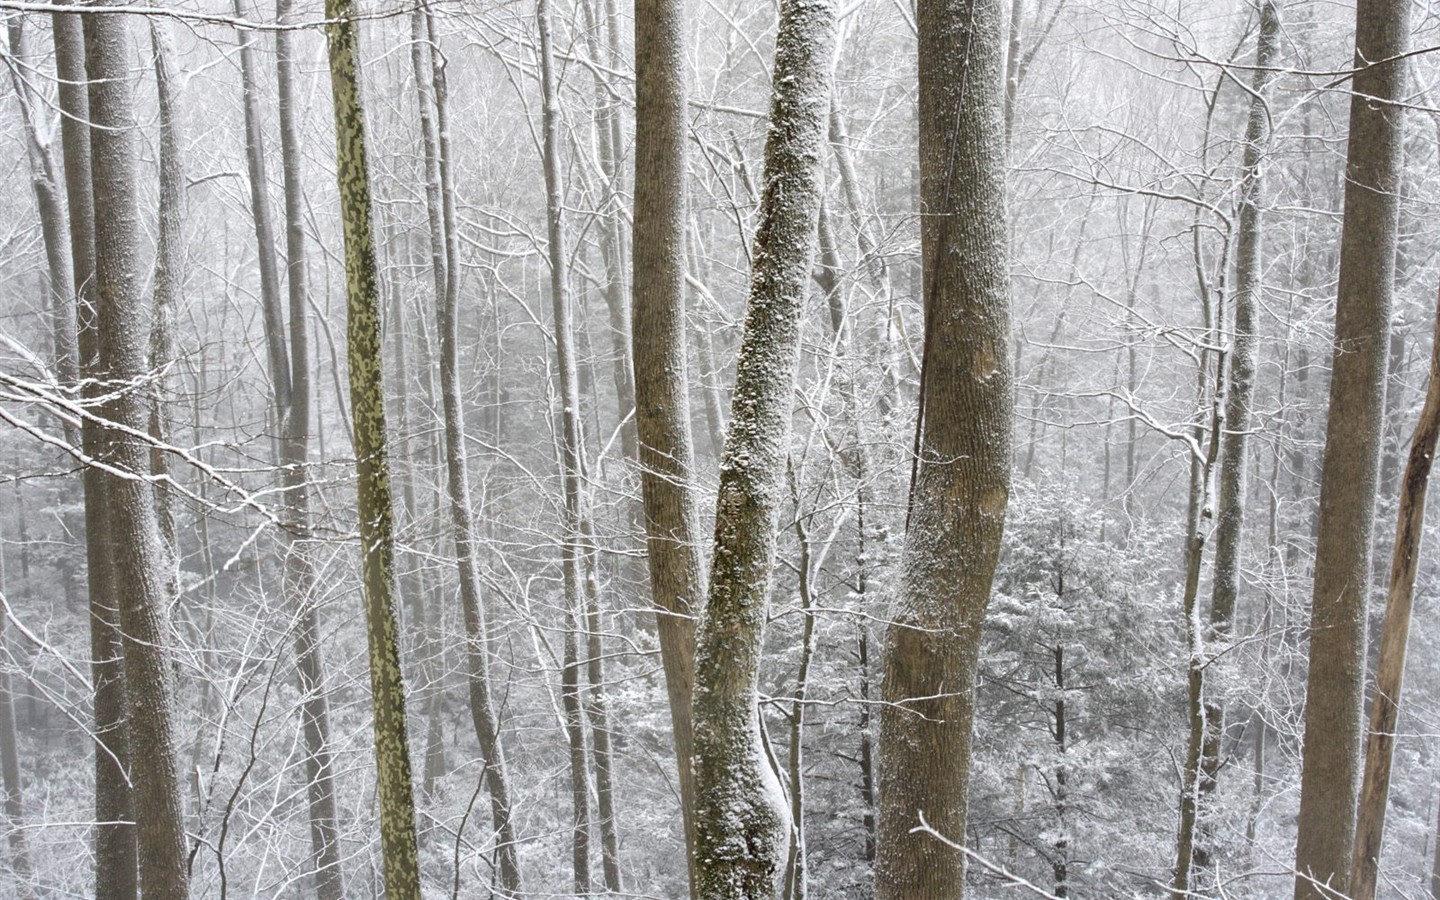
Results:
662 388
961 480
141 587
300 575
367 401
741 822
444 256
797 874
1390 671
169 284
1335 686
572 561
115 854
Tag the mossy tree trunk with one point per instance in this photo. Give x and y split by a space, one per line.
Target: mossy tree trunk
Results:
742 824
372 463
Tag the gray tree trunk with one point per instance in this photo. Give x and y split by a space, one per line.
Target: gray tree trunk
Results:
115 837
571 558
300 575
961 480
139 558
662 388
741 820
1335 688
444 256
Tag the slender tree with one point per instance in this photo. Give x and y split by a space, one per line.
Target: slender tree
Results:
295 421
367 400
444 261
662 389
137 565
1234 442
1390 671
1330 770
961 478
741 822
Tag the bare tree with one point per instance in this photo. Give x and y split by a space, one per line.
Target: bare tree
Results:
961 476
1330 771
741 822
140 583
377 539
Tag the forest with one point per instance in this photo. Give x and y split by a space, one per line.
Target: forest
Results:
719 449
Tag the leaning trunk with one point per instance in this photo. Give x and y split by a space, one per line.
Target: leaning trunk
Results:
662 391
1390 671
741 822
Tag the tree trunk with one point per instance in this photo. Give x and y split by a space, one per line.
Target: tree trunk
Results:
169 286
270 304
137 564
50 203
115 837
300 575
1239 394
741 823
367 401
662 389
611 237
1390 672
572 561
1335 688
445 265
961 481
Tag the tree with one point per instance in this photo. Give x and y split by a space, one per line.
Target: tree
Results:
139 558
662 389
445 266
1390 670
114 836
1199 780
960 479
1348 479
372 464
294 419
741 824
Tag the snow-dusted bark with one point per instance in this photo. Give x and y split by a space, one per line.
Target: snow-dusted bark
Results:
372 463
961 480
139 559
741 819
1335 688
